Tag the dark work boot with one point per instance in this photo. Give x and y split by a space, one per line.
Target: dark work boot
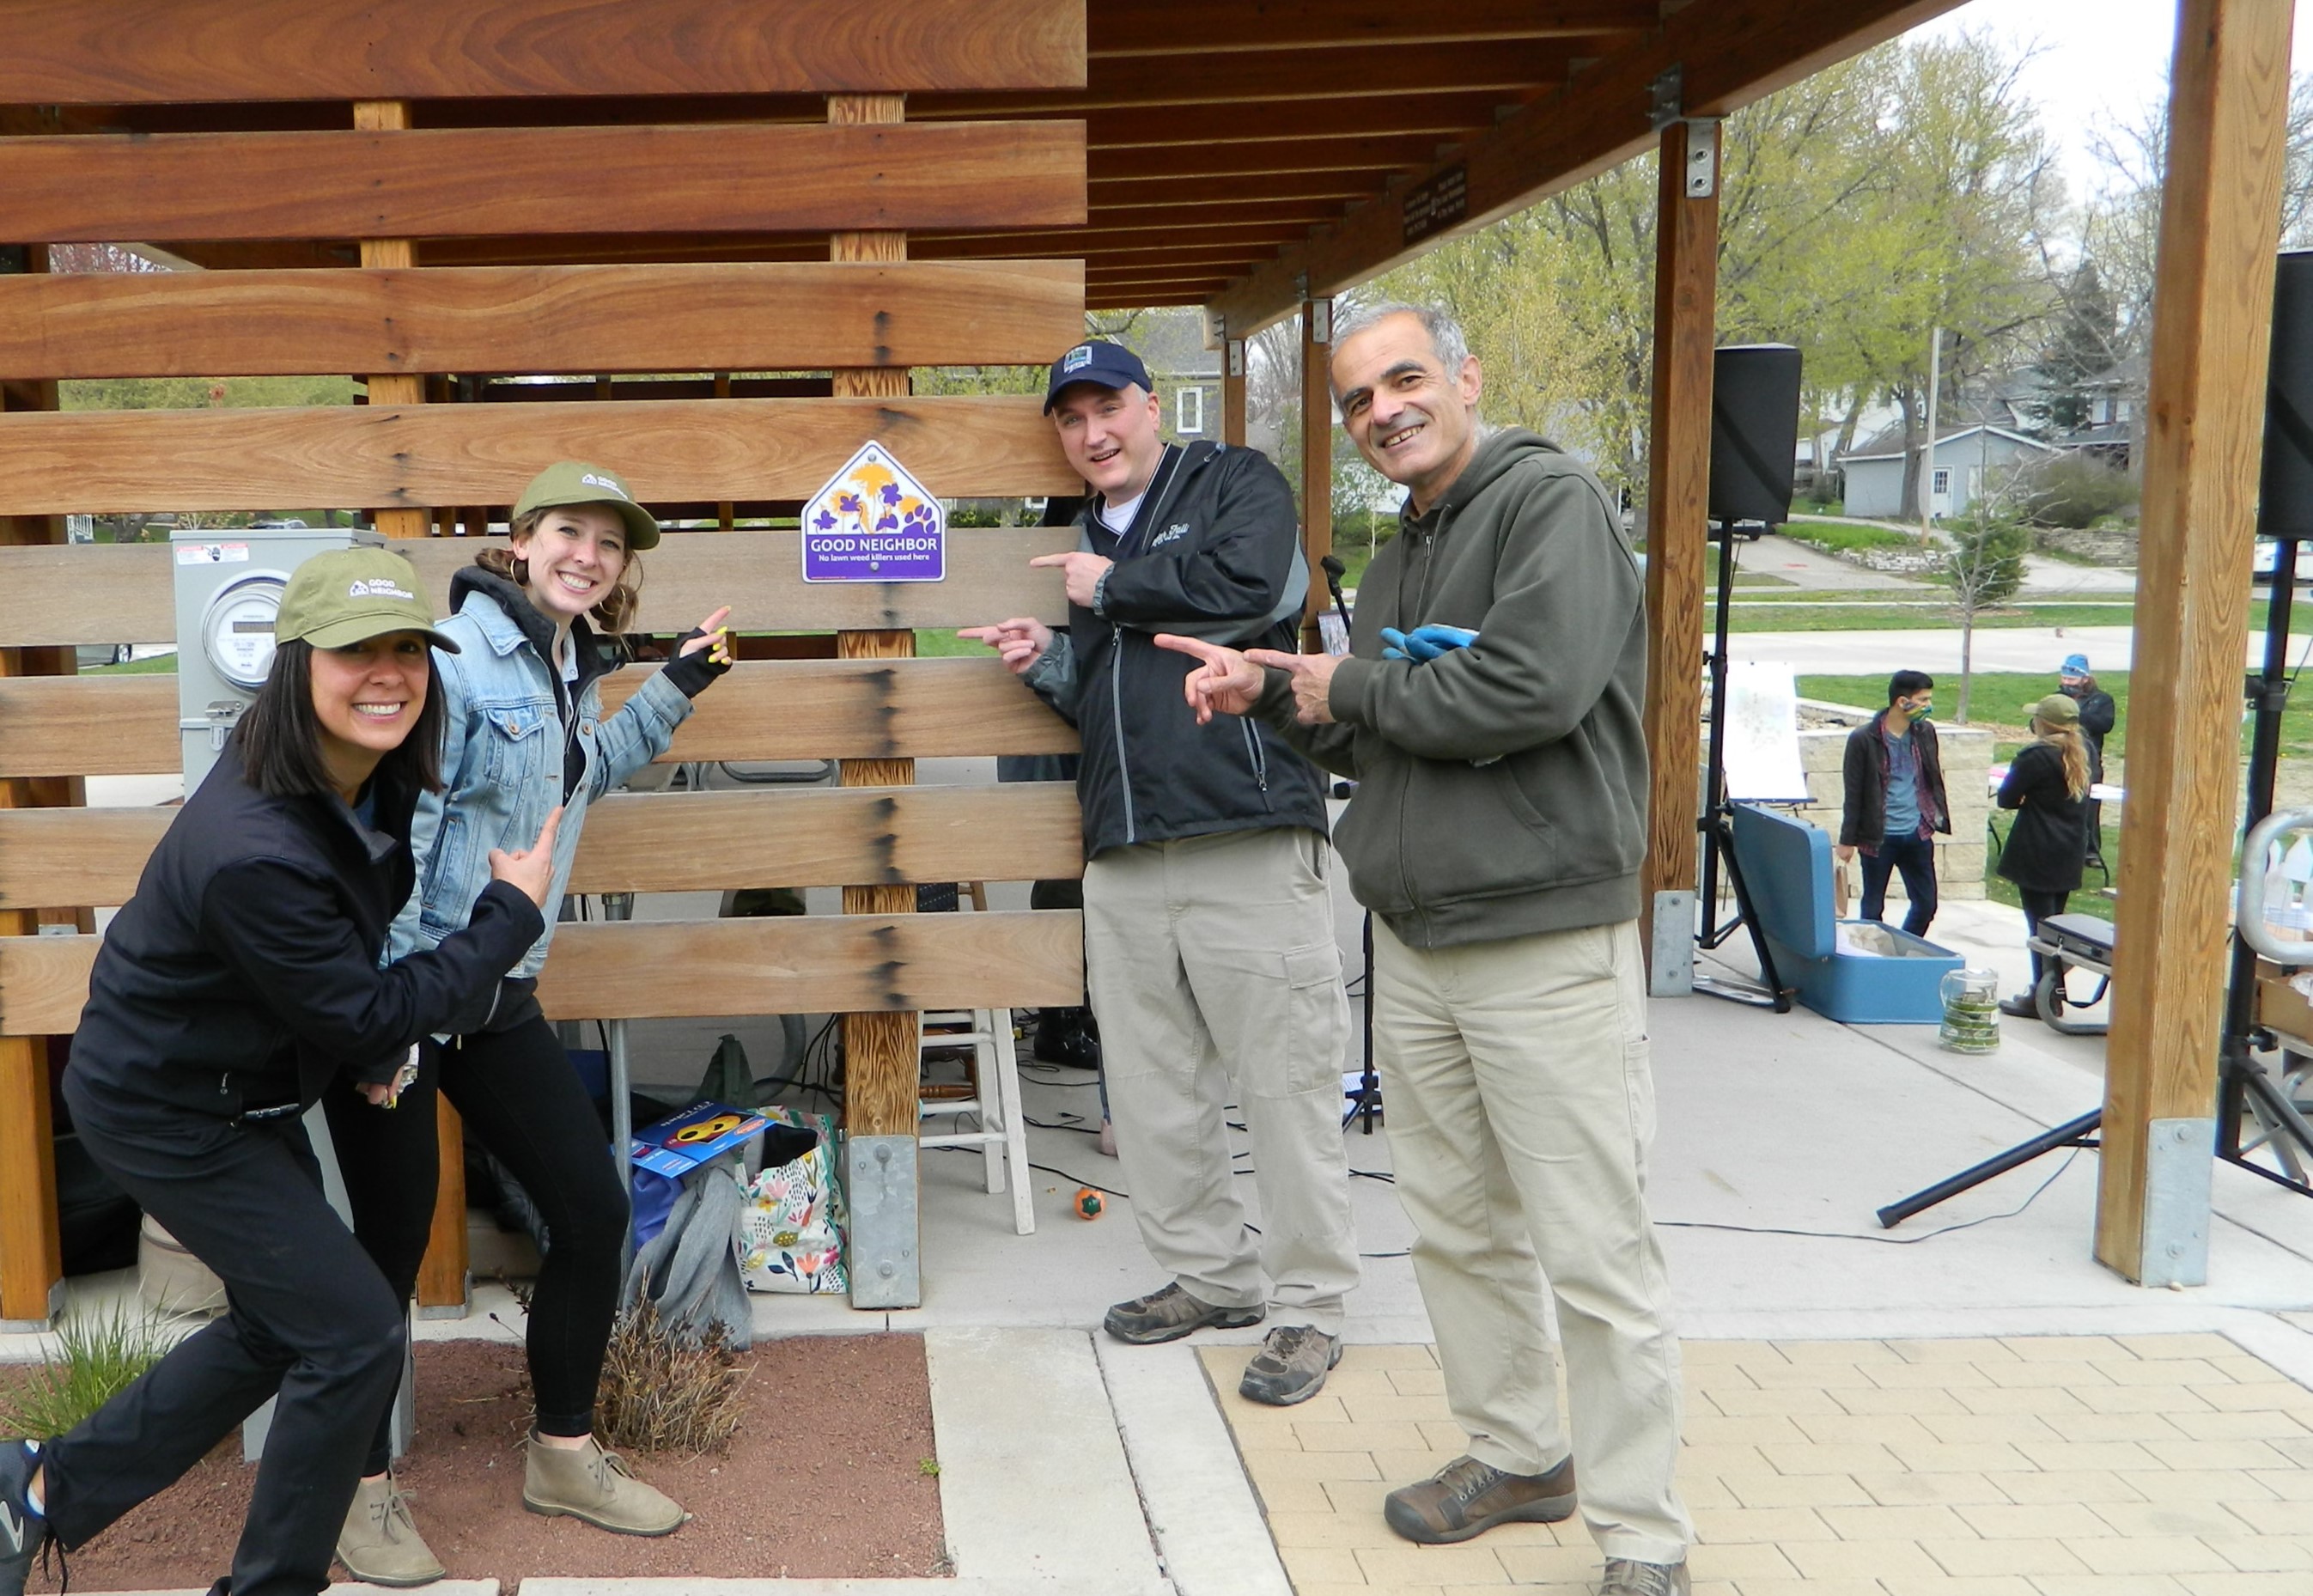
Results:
1467 1497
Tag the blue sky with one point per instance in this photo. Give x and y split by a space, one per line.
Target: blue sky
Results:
2098 59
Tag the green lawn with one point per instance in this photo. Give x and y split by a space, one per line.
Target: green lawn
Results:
165 665
1840 535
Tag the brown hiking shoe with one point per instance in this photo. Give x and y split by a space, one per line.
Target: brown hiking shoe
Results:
1169 1314
1291 1365
1467 1497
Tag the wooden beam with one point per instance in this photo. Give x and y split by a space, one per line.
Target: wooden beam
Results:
930 709
1233 391
1268 77
430 182
1678 495
2213 313
1316 459
103 593
1439 116
392 117
119 52
703 969
1730 53
1138 233
1225 158
1113 197
31 1256
537 320
1209 27
702 450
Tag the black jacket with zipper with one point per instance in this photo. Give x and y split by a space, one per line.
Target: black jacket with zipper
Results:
1215 552
242 975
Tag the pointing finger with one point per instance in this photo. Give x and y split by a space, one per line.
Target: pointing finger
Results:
1043 561
1197 647
1295 663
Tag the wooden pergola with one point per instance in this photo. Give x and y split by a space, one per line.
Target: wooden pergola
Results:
432 193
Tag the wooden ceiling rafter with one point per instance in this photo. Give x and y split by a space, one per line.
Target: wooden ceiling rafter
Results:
1214 27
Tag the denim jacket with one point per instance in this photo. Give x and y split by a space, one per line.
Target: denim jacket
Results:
502 770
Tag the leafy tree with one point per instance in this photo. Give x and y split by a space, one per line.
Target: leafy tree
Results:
2085 343
1983 568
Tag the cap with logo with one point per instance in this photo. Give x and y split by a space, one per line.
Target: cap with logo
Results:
574 481
349 595
1103 364
2057 709
2075 665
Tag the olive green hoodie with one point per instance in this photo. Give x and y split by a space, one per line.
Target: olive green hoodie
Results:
1501 788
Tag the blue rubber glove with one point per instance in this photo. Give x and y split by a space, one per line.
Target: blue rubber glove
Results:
1424 643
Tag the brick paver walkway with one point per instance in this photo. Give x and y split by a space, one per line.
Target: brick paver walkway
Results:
2060 1466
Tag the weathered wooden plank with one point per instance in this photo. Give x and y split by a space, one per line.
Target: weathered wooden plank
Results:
364 456
1267 76
122 52
1678 490
540 320
818 709
1206 27
2213 326
466 181
104 593
659 969
652 842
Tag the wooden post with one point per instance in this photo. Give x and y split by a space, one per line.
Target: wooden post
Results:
880 1066
1678 487
31 1256
1233 416
2213 317
442 1278
1316 458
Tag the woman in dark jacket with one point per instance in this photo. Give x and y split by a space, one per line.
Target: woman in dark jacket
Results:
2047 786
240 983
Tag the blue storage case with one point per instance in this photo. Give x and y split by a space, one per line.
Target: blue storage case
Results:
1786 864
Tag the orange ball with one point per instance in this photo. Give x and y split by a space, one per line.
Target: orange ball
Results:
1089 1201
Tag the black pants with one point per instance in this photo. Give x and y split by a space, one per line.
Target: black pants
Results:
2037 907
309 1317
1915 856
517 1093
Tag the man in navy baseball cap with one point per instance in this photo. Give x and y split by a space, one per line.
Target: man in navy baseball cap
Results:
1103 364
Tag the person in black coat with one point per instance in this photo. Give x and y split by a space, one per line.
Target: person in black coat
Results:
238 985
2047 786
2099 716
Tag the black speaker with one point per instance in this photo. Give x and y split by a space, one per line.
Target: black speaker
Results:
2284 502
1755 432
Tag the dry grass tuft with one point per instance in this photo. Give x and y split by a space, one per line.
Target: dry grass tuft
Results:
668 1388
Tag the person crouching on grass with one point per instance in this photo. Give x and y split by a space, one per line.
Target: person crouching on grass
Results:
240 984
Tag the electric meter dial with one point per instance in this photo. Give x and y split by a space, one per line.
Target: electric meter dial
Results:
237 629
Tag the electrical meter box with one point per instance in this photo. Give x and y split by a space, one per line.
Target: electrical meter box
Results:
229 584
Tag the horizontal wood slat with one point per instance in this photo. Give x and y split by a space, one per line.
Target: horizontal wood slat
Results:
104 593
384 457
652 842
497 182
540 320
638 970
122 726
118 52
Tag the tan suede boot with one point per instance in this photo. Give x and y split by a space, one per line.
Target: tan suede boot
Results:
380 1543
591 1484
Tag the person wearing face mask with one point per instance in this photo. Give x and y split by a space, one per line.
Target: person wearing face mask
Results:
1895 800
523 731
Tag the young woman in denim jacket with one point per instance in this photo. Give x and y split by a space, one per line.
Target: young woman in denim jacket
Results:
523 732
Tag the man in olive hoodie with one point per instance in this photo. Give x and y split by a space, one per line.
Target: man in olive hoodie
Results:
1489 709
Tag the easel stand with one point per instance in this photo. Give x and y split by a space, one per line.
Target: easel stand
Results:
2244 1089
1716 824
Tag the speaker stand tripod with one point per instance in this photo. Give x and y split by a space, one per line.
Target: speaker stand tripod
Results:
1716 824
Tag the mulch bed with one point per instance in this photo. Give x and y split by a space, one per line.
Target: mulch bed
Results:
825 1480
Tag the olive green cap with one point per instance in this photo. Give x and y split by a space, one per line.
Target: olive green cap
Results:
349 595
574 481
2058 708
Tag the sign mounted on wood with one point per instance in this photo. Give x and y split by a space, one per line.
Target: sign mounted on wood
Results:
873 522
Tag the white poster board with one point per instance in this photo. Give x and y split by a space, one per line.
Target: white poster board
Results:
1762 744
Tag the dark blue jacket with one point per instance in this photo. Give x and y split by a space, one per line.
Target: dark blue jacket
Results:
243 974
1215 552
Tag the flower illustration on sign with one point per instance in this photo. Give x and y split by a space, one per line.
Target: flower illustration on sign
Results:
874 522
